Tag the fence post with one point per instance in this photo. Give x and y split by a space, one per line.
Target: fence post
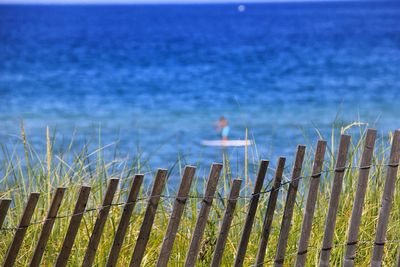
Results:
73 227
21 230
4 205
248 225
124 221
226 223
176 215
47 227
362 184
398 258
269 214
203 215
100 222
289 206
310 204
330 221
386 203
148 220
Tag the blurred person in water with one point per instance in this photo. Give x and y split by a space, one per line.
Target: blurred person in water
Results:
222 127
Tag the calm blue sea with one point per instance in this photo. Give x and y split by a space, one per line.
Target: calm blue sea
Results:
155 78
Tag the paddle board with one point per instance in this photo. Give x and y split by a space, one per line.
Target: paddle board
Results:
226 142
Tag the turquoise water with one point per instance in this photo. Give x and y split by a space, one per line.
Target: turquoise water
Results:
157 77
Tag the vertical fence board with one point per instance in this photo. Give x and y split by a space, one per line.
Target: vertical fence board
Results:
398 258
359 197
124 221
47 226
289 207
100 222
226 223
310 204
269 213
4 205
330 221
244 240
203 215
144 234
176 215
386 203
73 227
22 227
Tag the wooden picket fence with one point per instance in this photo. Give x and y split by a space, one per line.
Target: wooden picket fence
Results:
206 205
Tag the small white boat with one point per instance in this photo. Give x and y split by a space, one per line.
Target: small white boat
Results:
226 143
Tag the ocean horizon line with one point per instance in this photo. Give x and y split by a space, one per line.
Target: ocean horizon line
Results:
158 2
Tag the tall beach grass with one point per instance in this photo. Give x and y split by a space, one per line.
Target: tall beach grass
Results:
25 170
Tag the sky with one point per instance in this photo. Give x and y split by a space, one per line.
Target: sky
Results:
141 1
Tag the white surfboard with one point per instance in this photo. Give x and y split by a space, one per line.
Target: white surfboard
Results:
226 143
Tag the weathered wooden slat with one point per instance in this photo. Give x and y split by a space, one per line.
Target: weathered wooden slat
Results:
269 214
362 184
201 222
289 207
100 222
47 227
21 230
244 240
337 182
398 258
176 215
386 203
4 205
144 234
124 221
226 223
310 204
73 227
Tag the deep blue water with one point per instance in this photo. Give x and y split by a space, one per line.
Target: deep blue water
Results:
159 76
